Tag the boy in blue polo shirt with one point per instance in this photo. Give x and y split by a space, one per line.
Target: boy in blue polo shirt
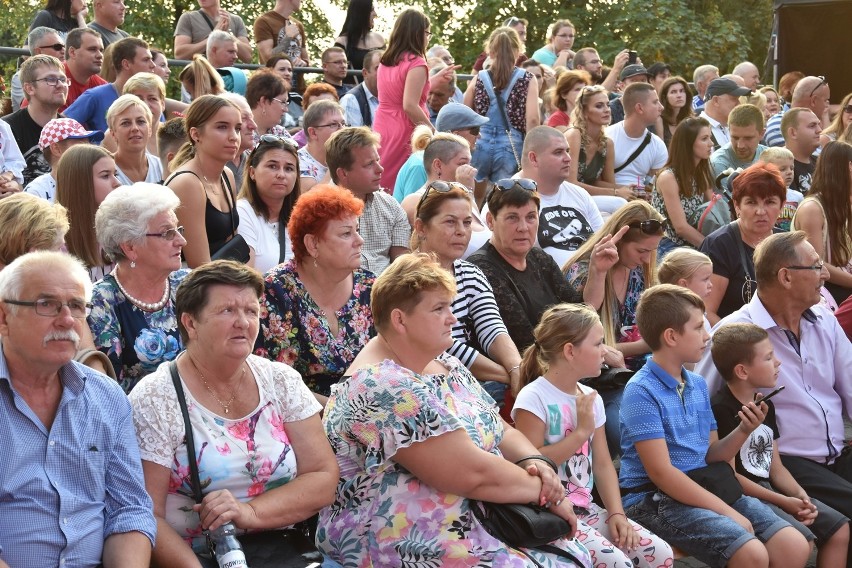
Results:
668 431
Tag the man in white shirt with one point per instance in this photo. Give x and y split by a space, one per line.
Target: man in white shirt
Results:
362 101
567 216
638 152
720 99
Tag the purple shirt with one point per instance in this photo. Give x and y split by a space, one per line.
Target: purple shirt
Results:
817 371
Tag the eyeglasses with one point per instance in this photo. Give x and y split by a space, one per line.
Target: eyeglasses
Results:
818 267
54 81
508 184
335 125
168 234
649 227
50 308
822 82
847 109
277 100
54 47
439 187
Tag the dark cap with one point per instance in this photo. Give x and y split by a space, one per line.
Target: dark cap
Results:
632 71
723 86
658 68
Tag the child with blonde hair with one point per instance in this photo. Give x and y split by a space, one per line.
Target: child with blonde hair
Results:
565 421
688 268
783 158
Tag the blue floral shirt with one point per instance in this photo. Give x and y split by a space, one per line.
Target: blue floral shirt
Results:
135 341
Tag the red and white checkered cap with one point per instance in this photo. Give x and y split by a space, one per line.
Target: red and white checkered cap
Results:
60 129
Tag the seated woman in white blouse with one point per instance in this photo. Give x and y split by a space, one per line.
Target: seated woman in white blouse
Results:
269 192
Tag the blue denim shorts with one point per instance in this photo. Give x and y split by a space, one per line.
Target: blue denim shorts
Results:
708 536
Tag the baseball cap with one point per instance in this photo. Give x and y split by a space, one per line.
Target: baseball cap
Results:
723 86
632 71
59 129
456 116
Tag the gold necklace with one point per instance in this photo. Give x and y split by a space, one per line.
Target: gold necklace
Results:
226 406
210 185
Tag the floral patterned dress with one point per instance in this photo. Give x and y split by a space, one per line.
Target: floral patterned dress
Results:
295 331
135 341
247 455
382 514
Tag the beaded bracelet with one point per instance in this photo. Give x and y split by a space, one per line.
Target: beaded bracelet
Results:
545 459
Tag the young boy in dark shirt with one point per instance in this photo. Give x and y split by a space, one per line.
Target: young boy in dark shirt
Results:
744 357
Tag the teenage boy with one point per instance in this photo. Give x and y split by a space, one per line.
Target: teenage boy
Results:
668 430
744 357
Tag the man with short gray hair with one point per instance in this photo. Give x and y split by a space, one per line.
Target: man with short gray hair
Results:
73 490
701 78
221 49
322 119
109 14
40 40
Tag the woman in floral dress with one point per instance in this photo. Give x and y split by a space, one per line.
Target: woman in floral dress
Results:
133 315
263 461
315 311
418 440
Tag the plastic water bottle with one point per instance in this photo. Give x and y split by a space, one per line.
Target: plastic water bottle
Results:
229 552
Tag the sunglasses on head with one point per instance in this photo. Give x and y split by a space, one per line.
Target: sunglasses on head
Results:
848 109
276 140
649 227
439 187
508 184
822 82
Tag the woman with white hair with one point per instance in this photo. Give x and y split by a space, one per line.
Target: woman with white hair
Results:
129 120
133 316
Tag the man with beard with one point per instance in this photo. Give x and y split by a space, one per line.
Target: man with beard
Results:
73 491
746 127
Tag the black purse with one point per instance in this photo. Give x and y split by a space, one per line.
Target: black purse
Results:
719 479
528 526
290 548
610 379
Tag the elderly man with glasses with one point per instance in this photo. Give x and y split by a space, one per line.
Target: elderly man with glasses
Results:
72 487
40 40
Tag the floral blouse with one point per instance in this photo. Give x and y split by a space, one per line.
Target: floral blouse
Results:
690 205
625 324
135 341
382 514
247 456
295 331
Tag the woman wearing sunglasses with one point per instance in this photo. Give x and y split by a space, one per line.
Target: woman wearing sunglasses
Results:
443 226
840 124
525 279
266 200
610 271
592 151
758 195
133 315
315 310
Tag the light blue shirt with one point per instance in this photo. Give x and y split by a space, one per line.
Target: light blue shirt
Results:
64 490
651 409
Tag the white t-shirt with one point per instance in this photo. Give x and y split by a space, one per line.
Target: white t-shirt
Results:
567 219
43 186
653 157
558 410
262 237
154 175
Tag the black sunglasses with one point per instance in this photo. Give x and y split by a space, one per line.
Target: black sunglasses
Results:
649 227
847 109
474 130
439 187
275 139
54 47
822 82
508 184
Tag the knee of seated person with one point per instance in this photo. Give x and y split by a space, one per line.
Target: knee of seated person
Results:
790 545
750 555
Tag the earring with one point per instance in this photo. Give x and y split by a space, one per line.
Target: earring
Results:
315 263
132 264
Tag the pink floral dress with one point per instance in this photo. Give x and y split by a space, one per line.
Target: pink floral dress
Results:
247 455
382 514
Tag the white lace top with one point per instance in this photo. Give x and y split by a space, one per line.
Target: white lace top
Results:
247 455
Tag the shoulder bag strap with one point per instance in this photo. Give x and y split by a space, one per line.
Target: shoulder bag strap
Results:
207 19
282 241
190 443
498 95
636 153
232 211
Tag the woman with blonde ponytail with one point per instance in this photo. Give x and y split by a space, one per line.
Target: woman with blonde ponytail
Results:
565 421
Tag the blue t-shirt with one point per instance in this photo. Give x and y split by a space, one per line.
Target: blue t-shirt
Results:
651 408
90 108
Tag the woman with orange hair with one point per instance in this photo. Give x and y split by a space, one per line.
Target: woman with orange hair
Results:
315 311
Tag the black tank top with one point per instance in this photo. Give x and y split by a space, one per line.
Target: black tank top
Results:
220 225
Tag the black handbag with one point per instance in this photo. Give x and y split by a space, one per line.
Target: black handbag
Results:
235 249
610 379
290 548
719 479
527 526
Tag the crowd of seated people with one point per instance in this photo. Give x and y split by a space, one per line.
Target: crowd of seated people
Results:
239 310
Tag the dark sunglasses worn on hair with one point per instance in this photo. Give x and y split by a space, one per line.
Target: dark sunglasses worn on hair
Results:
439 187
822 82
649 227
507 184
276 140
847 109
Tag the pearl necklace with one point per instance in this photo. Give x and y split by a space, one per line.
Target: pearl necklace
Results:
155 307
226 406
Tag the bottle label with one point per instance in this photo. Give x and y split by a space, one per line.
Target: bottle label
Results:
233 559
